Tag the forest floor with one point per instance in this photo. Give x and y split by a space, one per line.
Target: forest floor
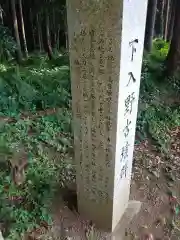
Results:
36 153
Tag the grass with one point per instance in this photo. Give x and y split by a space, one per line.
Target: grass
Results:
44 142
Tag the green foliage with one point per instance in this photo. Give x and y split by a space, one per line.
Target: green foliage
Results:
154 61
45 142
7 44
160 50
37 88
156 114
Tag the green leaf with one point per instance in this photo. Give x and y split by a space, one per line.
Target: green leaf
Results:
177 210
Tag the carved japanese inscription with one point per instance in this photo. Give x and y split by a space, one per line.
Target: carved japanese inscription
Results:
106 46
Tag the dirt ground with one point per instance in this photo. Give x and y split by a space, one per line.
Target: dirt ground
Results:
155 183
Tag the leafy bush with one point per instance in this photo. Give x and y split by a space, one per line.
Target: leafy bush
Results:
155 116
161 45
38 88
7 44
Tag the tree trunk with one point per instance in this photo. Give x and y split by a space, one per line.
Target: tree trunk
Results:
39 33
57 39
173 58
1 16
66 32
159 20
150 24
167 20
48 37
32 28
54 29
171 21
163 16
16 31
23 29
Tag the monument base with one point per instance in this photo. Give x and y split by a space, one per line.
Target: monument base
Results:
1 236
131 211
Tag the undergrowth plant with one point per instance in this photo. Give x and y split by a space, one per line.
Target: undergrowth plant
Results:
45 142
36 88
7 44
156 116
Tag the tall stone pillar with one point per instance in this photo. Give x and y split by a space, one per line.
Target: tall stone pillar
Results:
106 40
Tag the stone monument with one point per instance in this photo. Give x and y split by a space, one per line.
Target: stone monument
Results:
106 39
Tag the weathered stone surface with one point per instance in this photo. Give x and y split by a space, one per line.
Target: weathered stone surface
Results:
106 46
1 236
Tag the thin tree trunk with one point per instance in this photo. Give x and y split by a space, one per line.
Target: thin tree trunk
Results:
173 58
32 27
1 15
48 38
167 20
16 31
159 20
150 24
23 29
162 16
171 22
57 39
39 34
54 29
66 32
